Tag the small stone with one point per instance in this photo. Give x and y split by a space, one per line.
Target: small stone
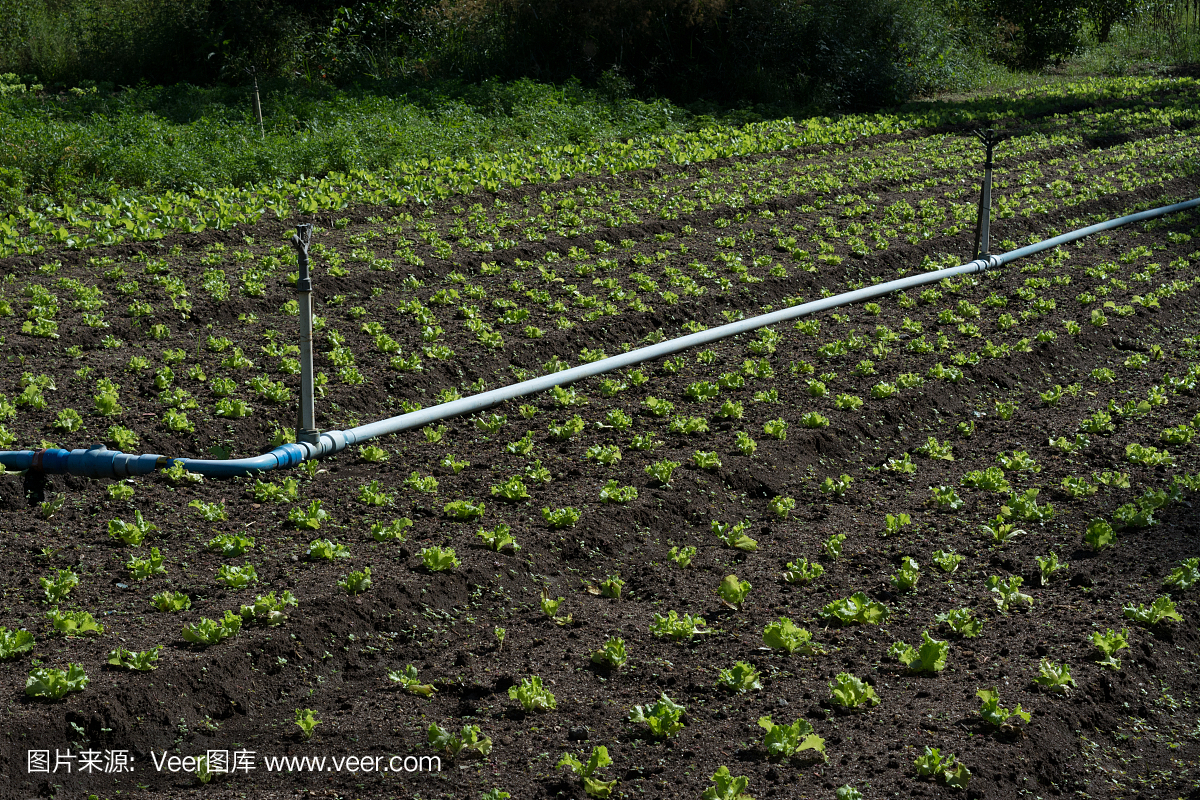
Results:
578 734
781 703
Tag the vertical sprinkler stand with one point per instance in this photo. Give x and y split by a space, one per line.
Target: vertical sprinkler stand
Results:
990 138
306 423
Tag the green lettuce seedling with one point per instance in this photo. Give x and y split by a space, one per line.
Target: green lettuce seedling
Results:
1108 644
307 721
142 662
463 511
513 490
592 785
394 531
836 486
409 682
661 471
733 535
727 787
929 657
356 582
802 572
945 498
372 494
1025 507
550 606
1007 592
613 492
609 587
678 628
1000 531
54 684
962 621
209 512
907 575
857 609
471 738
1159 611
74 623
945 769
893 524
1099 535
325 550
285 491
849 692
1185 576
733 591
704 459
1078 488
209 632
14 643
1048 565
682 556
740 678
946 560
783 634
991 479
498 538
229 545
781 506
237 577
59 585
933 449
532 696
1054 677
561 518
788 741
612 655
171 601
439 559
309 518
268 609
664 717
993 714
131 533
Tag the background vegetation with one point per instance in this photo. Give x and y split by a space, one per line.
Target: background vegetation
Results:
101 95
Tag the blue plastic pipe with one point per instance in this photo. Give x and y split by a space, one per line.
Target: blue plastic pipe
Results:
100 462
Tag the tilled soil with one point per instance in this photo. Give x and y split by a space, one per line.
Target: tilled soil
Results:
1130 732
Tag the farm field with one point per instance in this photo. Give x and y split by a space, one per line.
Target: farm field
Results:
985 484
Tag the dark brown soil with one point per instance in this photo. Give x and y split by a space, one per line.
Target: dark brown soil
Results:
1127 733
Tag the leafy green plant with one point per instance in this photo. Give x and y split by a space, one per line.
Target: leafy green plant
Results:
143 568
783 634
933 449
308 517
208 632
929 657
54 684
706 459
1054 677
848 691
14 643
1161 610
463 510
171 601
946 560
1099 534
409 682
356 582
532 695
1147 456
268 609
991 712
326 550
1108 644
471 738
894 523
1025 507
613 492
237 577
836 486
73 623
945 498
427 484
498 538
664 718
734 535
907 575
393 531
740 678
682 556
962 621
439 559
131 533
592 785
802 572
857 609
1008 593
144 661
727 787
677 627
946 768
1048 565
307 721
813 419
59 585
788 741
661 471
612 654
991 479
561 518
1185 576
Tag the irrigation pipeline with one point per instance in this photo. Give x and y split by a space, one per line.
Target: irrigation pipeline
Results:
100 462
